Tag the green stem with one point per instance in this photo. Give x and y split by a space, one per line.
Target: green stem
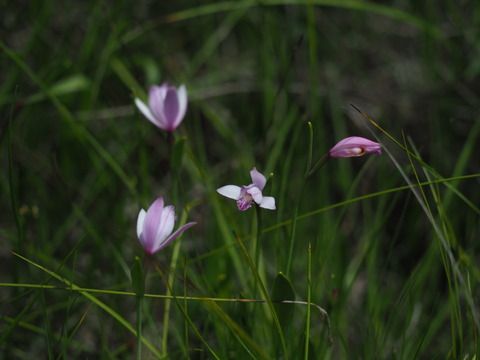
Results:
257 248
309 296
308 172
315 168
176 248
138 282
139 326
319 164
294 227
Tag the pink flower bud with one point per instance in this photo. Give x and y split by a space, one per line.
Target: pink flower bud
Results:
354 146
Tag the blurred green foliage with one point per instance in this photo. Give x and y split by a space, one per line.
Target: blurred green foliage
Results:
79 161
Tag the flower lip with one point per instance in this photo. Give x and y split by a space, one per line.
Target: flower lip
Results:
154 226
354 146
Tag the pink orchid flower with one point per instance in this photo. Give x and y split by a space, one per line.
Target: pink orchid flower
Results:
246 195
167 106
154 226
354 146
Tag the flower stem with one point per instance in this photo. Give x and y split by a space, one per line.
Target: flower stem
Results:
138 282
257 249
294 226
319 164
139 326
309 296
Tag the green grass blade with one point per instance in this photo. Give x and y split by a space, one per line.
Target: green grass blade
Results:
366 6
417 159
79 131
309 296
93 299
265 294
464 158
188 319
368 196
245 340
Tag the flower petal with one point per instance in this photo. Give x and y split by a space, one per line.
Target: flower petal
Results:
176 234
156 102
146 112
182 105
258 179
268 202
151 224
230 191
140 222
171 108
165 227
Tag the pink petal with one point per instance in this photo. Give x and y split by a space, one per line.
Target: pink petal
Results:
268 202
175 235
171 108
230 191
156 103
165 227
258 179
151 224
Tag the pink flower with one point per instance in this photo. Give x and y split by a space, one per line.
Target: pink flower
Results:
154 227
354 146
246 195
167 106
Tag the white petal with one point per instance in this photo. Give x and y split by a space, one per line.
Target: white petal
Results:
230 191
140 221
145 110
268 203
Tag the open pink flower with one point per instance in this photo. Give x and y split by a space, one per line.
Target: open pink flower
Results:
354 146
167 106
246 195
154 226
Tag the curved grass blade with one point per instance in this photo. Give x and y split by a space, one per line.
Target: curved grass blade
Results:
93 299
283 290
185 315
417 159
226 6
80 132
265 294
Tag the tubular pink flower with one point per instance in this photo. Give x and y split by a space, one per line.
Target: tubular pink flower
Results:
167 106
354 146
154 226
246 195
